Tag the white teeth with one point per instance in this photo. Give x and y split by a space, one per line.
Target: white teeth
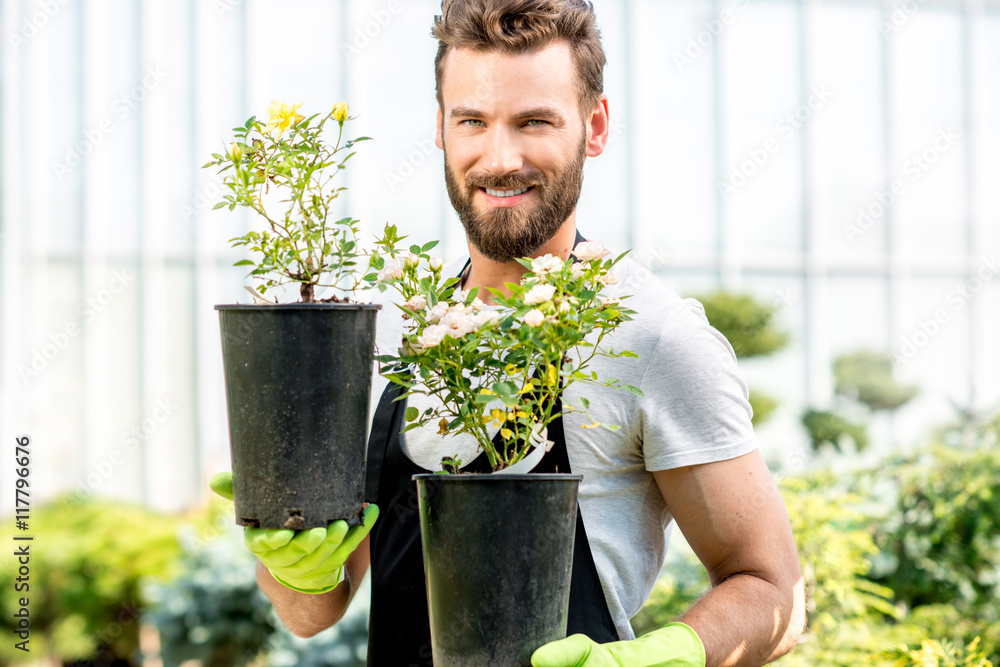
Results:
505 193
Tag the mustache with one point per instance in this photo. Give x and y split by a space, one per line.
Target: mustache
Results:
508 182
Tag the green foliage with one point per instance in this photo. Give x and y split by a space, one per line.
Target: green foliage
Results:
747 325
830 428
835 543
941 541
504 366
901 563
862 378
940 654
87 560
214 611
299 243
866 376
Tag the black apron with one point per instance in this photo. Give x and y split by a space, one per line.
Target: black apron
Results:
399 625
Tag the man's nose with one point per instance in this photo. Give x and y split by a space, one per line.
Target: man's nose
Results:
503 153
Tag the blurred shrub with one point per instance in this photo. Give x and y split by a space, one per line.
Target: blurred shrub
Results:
942 542
866 377
940 654
835 542
213 612
87 559
863 382
746 324
828 428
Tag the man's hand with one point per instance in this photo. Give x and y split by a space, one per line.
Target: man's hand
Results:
308 561
674 645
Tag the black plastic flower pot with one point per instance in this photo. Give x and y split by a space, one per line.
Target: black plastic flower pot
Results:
298 387
498 555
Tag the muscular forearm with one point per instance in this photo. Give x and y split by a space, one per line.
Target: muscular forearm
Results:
746 621
305 614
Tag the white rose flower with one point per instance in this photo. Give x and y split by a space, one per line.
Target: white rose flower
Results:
412 261
610 302
417 302
565 307
391 270
609 278
458 323
546 264
539 294
436 264
588 250
439 310
576 270
431 337
534 317
485 317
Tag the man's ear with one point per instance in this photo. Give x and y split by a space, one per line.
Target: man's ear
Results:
439 138
598 128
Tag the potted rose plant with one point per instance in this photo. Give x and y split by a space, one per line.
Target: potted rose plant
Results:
498 547
298 375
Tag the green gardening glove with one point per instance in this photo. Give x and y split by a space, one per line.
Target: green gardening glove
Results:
308 561
673 645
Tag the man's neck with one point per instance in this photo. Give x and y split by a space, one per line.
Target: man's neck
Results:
484 272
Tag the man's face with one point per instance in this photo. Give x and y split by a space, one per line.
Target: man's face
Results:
514 146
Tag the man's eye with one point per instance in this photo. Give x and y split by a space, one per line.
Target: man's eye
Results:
537 122
473 122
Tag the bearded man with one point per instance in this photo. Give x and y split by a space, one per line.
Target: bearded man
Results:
521 107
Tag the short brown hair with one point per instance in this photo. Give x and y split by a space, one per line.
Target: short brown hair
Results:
522 26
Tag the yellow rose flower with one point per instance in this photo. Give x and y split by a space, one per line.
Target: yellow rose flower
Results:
340 111
235 152
281 116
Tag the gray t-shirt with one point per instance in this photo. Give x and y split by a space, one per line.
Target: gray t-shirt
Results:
695 411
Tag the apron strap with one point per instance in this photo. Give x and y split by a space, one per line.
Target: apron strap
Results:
378 439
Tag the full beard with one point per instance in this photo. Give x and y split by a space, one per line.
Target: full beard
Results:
505 234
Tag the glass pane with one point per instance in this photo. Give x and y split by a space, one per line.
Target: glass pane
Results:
847 145
927 163
674 131
763 114
116 89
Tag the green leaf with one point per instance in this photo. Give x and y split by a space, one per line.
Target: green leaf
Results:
412 414
632 389
505 389
244 262
428 246
584 402
610 427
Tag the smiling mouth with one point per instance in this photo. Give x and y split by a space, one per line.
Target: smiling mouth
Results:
505 193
